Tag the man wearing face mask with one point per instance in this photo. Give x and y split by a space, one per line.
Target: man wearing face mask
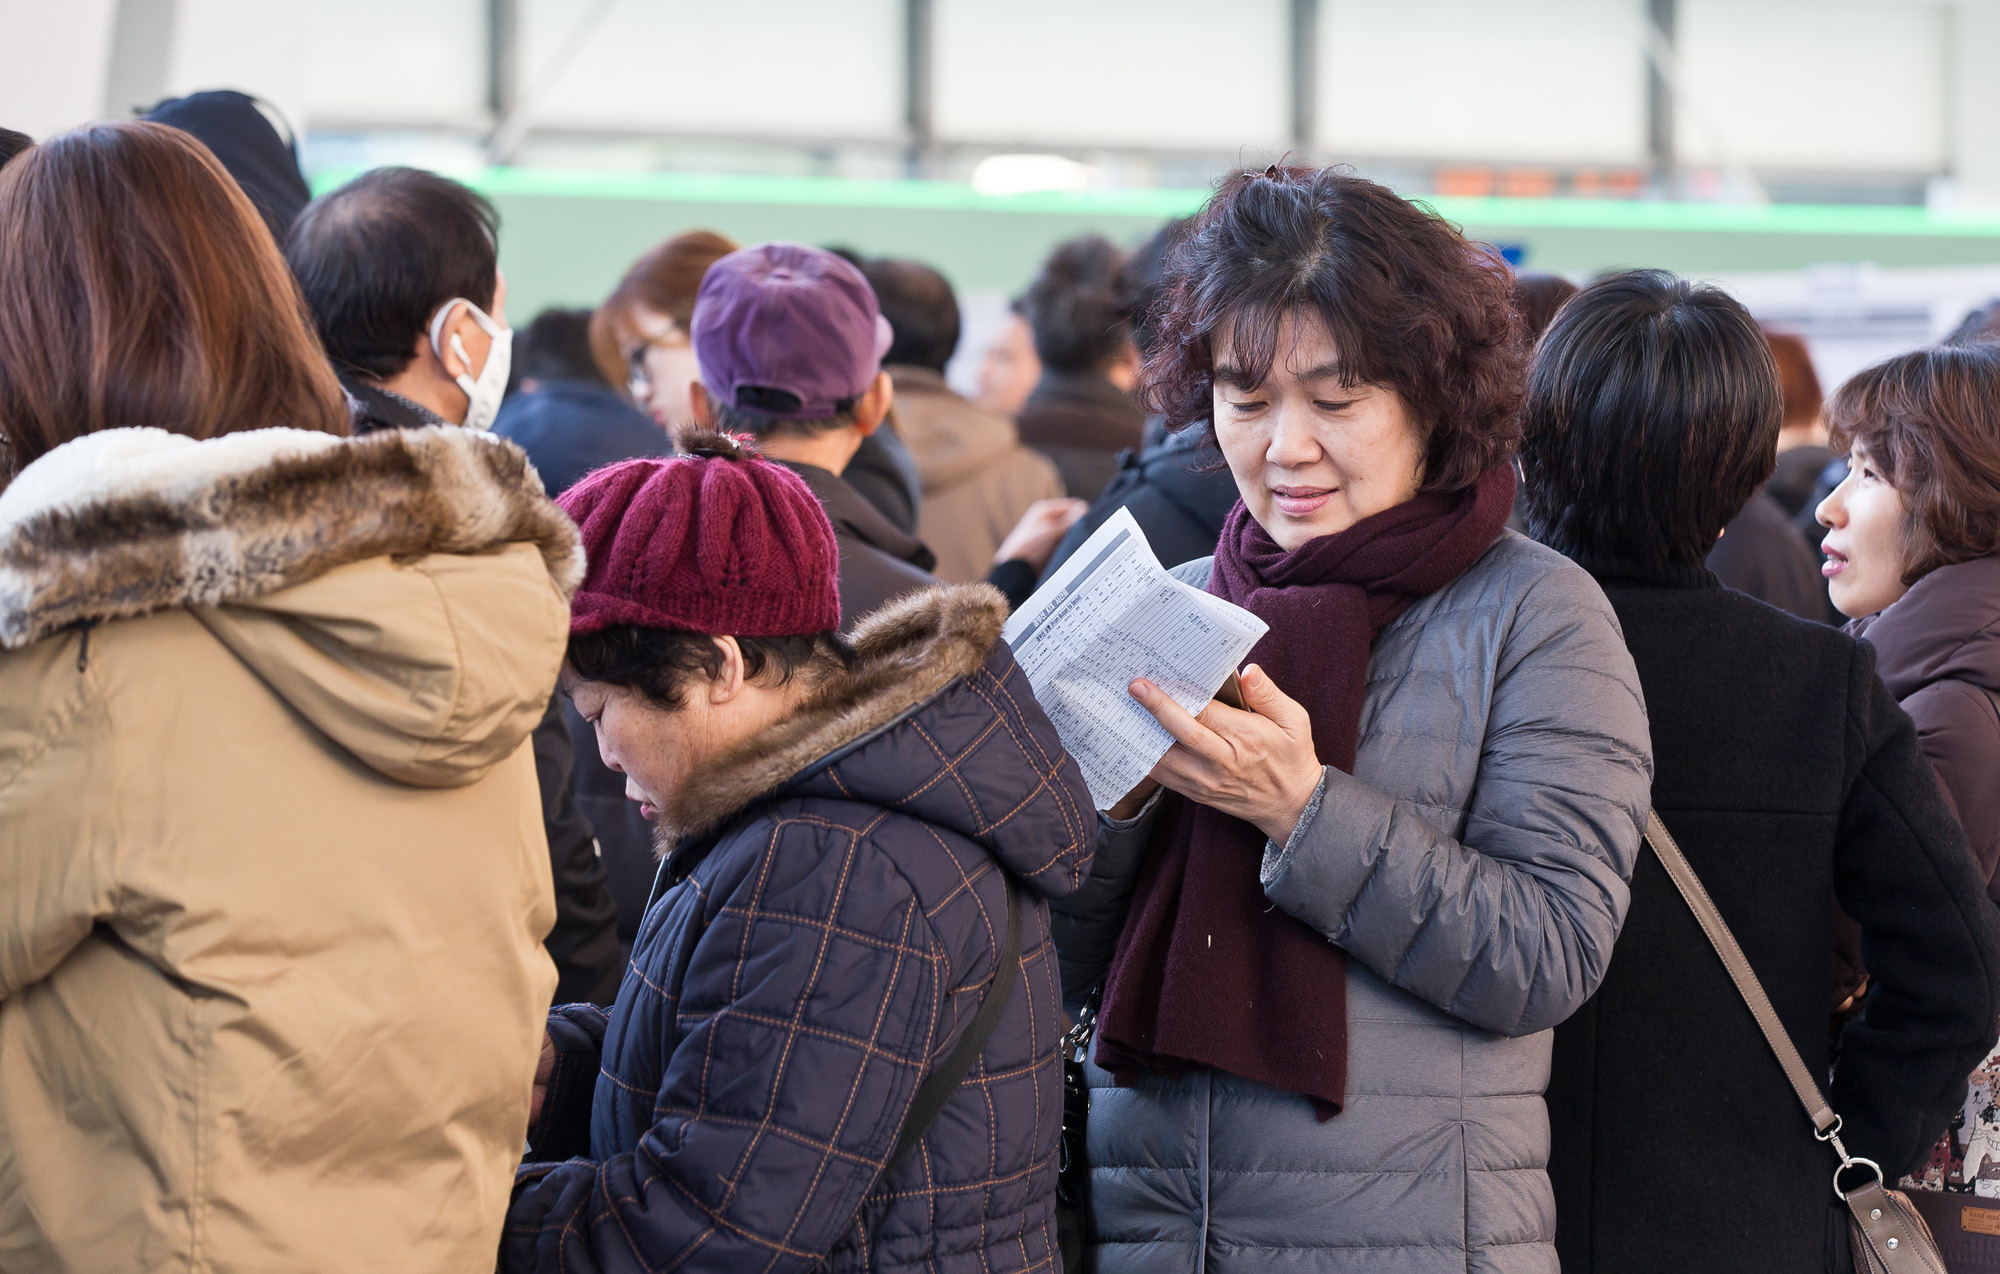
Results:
400 268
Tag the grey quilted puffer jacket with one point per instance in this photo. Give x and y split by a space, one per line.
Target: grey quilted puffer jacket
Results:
1474 868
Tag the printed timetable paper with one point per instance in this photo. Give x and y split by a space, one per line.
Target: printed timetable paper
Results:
1110 614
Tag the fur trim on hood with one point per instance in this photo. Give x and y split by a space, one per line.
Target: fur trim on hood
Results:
129 521
910 650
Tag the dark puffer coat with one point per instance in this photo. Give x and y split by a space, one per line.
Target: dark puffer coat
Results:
1787 775
1177 490
837 900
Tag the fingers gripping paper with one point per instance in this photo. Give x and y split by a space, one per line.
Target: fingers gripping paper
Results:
1109 614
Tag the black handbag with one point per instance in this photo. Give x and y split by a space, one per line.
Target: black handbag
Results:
1073 1159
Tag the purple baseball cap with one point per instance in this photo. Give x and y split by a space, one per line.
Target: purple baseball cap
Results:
787 331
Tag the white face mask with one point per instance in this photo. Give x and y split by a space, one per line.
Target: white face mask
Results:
485 393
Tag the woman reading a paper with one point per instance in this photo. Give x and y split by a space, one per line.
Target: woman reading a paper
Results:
1330 952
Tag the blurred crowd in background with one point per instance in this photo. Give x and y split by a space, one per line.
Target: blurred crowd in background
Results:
280 747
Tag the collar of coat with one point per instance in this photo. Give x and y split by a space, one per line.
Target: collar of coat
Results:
910 650
130 521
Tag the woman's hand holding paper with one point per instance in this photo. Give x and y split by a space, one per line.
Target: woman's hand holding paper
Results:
1256 764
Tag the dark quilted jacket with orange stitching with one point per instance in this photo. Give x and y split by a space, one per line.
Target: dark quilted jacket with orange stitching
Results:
824 946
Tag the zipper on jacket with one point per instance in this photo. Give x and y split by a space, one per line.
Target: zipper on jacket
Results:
1202 1180
83 644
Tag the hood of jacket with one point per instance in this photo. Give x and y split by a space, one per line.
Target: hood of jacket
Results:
1186 469
950 438
263 162
854 517
936 723
1080 409
402 591
1947 627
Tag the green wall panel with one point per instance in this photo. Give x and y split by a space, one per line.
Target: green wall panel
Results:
566 237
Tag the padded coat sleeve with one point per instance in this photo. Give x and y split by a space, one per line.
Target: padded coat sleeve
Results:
1958 726
1930 937
1511 928
1086 924
799 1047
563 1129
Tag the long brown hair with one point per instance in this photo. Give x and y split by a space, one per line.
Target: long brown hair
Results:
665 281
139 287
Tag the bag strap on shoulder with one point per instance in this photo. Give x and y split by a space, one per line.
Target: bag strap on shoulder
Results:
1889 1235
1737 964
938 1087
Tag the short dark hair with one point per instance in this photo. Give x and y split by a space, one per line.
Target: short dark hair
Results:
1409 304
378 256
1930 421
1652 418
1078 305
556 346
1538 296
659 663
12 144
919 305
1145 280
739 420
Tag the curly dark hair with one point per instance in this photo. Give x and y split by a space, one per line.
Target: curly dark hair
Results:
1409 303
1930 421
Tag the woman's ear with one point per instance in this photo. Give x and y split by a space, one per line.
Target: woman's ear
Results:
729 681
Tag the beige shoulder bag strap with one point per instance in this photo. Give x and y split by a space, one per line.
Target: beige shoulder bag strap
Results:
1888 1235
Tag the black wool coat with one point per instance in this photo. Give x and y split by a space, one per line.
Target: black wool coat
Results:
1790 777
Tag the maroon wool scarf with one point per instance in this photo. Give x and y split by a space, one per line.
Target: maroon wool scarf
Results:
1208 973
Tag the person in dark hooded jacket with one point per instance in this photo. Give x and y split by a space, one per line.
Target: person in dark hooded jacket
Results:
861 842
1175 483
561 410
242 137
1082 412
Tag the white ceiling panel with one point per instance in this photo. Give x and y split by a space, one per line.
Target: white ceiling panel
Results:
1813 84
1174 74
1521 80
776 68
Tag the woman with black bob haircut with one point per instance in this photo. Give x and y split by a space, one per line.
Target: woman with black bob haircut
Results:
1789 778
1330 952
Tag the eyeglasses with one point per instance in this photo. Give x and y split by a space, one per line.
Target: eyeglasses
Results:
639 381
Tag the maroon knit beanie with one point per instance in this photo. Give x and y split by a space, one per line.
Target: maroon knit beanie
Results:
717 541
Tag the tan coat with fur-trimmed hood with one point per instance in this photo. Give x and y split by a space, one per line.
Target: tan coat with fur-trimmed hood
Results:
273 883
